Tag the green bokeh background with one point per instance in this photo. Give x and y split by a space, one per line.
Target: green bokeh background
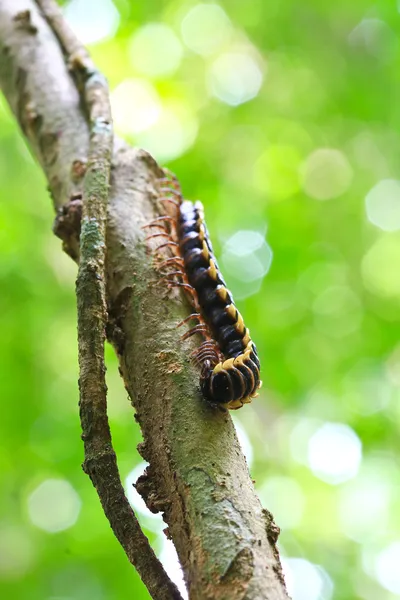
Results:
325 317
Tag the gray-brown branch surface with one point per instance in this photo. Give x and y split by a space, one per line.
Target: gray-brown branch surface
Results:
100 461
197 476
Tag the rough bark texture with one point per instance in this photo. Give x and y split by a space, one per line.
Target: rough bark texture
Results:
197 476
100 461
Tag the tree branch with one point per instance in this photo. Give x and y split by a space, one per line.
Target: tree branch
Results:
100 460
197 475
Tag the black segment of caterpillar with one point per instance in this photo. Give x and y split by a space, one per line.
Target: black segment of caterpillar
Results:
230 368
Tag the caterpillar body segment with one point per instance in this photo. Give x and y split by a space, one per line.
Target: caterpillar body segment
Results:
230 368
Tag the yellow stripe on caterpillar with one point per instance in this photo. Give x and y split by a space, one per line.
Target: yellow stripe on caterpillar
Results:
222 292
239 360
239 325
235 404
227 358
212 271
205 251
202 233
246 338
246 354
231 310
228 364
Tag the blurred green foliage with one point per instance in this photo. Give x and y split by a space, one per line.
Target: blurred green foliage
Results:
283 118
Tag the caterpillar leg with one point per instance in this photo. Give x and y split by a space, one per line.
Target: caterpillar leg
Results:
172 274
158 226
170 244
174 261
175 203
170 178
206 352
236 404
202 329
157 235
191 317
176 193
160 223
186 286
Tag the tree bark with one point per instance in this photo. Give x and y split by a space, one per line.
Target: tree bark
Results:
197 476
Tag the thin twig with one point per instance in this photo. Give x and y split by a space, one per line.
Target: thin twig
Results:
100 459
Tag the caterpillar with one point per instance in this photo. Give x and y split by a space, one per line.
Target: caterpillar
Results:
227 357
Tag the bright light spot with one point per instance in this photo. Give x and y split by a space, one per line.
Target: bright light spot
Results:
173 133
54 505
358 501
334 453
247 255
155 50
368 559
153 522
285 499
299 438
92 20
235 78
244 442
338 311
240 290
387 568
247 258
380 267
383 205
326 174
170 561
375 37
206 28
16 552
306 581
135 106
